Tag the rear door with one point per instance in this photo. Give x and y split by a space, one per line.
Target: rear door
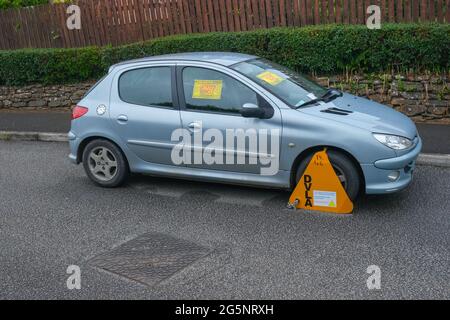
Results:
144 111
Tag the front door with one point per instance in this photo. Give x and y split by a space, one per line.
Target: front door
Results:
211 102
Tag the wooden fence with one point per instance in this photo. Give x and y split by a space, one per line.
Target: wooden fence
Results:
125 21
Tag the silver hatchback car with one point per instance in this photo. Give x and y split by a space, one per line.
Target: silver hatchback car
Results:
239 119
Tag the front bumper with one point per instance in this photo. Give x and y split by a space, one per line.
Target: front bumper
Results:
376 174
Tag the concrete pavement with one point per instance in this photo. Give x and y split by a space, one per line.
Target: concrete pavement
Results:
436 137
52 216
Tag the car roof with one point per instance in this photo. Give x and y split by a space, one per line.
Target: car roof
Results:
223 58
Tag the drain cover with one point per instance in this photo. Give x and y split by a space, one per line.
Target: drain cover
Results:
150 258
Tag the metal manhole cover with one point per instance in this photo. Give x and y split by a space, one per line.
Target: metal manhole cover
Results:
150 258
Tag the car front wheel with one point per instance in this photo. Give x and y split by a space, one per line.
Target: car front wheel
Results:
105 164
344 169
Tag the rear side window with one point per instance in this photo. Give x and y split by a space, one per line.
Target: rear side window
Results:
147 87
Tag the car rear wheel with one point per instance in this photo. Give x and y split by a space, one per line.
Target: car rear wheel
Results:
105 164
344 168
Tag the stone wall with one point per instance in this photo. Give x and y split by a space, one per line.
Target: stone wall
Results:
42 97
422 97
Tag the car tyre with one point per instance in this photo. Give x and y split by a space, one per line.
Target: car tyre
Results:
105 164
344 168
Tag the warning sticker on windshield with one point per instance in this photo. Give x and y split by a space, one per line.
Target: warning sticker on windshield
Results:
271 78
325 199
208 89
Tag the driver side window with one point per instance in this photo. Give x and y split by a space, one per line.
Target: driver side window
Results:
210 90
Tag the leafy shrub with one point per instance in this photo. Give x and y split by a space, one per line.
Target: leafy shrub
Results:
329 49
5 4
48 66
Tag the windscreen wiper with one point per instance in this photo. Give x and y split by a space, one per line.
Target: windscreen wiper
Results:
309 103
330 95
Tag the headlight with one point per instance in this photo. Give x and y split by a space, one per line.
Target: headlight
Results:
393 142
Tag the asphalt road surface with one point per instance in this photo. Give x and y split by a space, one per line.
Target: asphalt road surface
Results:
51 217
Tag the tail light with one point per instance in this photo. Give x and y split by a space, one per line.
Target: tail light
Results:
78 112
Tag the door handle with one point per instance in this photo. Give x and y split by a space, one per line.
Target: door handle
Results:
194 126
122 118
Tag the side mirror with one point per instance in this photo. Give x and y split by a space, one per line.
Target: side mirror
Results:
250 110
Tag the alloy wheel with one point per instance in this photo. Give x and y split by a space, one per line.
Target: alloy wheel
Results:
103 164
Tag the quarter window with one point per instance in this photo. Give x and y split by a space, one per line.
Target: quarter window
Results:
210 90
147 87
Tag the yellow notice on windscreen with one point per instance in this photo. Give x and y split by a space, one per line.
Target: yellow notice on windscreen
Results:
208 89
271 78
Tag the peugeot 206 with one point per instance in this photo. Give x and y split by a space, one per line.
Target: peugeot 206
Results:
239 119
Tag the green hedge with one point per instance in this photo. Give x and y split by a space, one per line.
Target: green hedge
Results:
327 49
5 4
50 66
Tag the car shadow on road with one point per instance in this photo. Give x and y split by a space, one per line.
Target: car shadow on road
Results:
383 204
253 196
227 193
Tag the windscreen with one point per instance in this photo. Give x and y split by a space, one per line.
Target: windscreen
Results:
286 84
